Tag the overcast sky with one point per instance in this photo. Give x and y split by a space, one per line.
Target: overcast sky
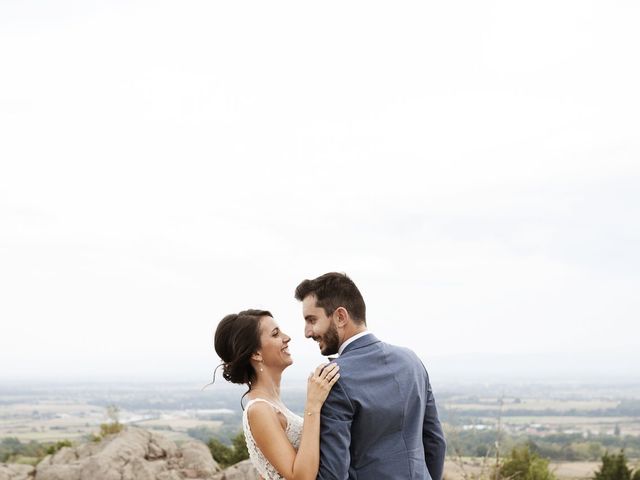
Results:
473 166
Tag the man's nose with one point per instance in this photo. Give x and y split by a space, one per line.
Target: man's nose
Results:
308 331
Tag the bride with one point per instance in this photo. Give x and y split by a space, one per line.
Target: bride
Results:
255 352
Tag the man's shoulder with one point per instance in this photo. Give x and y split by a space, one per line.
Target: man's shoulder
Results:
397 352
401 350
402 354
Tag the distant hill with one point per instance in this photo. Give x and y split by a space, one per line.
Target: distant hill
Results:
614 367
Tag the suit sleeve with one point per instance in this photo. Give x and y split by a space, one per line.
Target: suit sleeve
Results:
335 435
433 437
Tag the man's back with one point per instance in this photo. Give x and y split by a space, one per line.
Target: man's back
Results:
380 419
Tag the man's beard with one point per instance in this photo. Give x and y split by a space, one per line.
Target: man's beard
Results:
331 341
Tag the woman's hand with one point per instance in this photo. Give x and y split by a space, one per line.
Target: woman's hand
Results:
319 385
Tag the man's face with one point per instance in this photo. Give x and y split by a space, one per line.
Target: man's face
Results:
319 326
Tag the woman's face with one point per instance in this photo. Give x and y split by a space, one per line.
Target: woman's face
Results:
274 344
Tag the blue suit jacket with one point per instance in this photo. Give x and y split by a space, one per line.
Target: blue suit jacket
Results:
380 420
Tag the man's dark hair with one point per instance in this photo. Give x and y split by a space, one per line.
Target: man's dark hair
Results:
333 290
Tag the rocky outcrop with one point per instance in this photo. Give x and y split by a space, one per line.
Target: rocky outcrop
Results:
240 471
136 454
16 472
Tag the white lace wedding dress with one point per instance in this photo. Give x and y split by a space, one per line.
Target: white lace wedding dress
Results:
293 431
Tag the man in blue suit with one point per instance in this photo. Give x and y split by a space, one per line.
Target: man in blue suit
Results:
380 420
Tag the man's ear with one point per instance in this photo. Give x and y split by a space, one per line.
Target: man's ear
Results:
342 317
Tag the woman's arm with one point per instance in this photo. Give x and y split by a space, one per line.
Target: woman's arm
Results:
272 440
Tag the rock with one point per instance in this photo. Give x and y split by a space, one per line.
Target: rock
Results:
66 455
133 454
169 475
197 460
58 472
240 471
16 472
159 442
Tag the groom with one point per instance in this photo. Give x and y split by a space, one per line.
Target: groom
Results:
380 420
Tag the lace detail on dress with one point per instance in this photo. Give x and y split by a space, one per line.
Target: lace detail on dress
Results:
293 432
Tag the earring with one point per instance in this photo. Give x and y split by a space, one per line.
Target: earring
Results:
261 369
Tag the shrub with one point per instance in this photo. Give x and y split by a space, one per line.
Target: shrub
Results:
229 455
522 464
110 428
51 449
113 413
614 467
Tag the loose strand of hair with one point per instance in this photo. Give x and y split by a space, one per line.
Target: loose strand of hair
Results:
214 377
245 394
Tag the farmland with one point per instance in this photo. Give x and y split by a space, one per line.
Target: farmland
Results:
572 425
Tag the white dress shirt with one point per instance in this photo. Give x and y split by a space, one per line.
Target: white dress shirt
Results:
351 340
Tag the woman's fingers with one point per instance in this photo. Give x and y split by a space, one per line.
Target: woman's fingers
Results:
328 370
333 372
328 382
325 376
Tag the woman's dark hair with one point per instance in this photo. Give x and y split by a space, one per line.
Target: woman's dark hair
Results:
237 337
333 290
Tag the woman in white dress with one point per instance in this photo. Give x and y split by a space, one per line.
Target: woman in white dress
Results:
255 352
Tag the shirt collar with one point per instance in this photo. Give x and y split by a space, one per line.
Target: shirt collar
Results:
351 340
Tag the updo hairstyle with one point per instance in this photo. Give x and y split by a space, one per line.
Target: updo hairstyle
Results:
237 337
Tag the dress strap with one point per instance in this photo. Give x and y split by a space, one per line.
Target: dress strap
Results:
255 400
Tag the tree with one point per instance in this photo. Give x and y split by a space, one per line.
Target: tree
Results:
229 455
113 413
240 446
522 464
8 447
614 467
114 426
14 451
